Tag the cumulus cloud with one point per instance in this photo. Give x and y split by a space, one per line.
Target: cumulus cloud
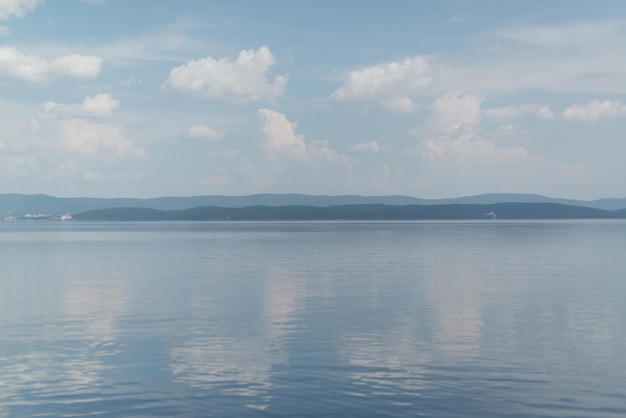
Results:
99 106
17 8
292 160
206 132
281 135
63 139
454 152
453 133
371 146
595 110
545 113
100 140
283 140
393 85
15 64
242 80
453 111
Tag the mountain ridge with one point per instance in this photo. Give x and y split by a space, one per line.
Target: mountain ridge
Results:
531 210
21 204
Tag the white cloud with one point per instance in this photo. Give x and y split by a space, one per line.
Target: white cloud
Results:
203 131
453 112
468 148
513 128
543 112
508 112
321 149
58 145
17 8
294 162
595 110
130 81
61 153
99 106
371 146
242 80
453 155
4 31
15 64
281 136
100 140
393 85
453 124
398 104
283 140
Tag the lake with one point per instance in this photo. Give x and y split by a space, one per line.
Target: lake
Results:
313 319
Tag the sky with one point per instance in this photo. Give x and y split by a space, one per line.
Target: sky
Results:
432 98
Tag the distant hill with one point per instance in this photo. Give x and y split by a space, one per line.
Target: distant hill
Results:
20 204
607 204
356 212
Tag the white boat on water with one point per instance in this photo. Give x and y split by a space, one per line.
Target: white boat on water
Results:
492 214
66 217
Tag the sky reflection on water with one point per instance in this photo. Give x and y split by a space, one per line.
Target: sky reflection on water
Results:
351 319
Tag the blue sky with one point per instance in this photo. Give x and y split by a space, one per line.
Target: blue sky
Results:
424 98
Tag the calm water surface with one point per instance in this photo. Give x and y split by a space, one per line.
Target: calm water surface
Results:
435 319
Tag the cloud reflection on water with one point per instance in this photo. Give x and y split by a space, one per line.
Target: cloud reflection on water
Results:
455 301
243 364
65 356
94 312
340 316
444 323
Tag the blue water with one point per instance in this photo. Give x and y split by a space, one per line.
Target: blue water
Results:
435 319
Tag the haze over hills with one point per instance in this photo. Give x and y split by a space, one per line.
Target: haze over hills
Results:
20 204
